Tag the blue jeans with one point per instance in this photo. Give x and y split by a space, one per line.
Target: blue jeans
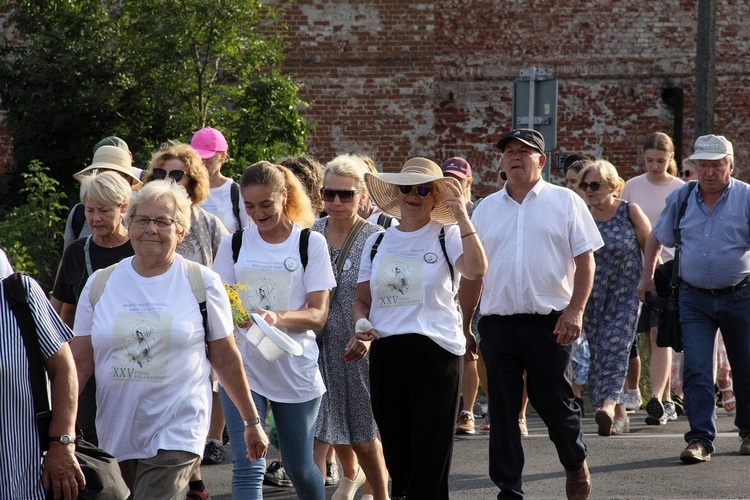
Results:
701 314
296 426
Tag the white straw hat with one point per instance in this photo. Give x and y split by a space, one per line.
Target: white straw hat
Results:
112 158
383 188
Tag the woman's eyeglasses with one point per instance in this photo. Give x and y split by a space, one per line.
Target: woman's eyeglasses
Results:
422 191
142 222
161 174
685 173
586 185
346 196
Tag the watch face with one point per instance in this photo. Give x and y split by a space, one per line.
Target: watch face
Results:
66 439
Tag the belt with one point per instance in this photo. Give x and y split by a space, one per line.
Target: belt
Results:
727 290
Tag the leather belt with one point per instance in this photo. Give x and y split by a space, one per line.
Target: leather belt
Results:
727 290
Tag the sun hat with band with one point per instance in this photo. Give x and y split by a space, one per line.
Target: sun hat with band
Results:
111 158
383 187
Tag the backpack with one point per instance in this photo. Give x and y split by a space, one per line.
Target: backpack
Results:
234 193
79 219
441 238
304 241
384 221
197 285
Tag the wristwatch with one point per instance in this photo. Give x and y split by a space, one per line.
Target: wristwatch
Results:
64 439
251 422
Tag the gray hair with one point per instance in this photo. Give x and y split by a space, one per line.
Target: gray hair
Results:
152 192
105 188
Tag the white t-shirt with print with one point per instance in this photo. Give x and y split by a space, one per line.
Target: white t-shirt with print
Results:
275 280
152 375
411 286
219 203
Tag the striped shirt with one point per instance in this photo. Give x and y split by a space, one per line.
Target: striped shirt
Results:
20 460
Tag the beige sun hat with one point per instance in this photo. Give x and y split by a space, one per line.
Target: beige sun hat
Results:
111 158
383 188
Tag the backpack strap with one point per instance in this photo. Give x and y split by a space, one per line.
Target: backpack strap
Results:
198 286
385 221
234 193
87 255
98 284
304 242
441 238
375 246
79 219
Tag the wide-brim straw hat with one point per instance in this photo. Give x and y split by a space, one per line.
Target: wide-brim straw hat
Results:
111 158
383 188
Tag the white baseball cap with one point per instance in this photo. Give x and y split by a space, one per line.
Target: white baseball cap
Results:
712 147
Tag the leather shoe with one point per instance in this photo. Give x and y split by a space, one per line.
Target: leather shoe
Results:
578 483
696 452
745 446
604 421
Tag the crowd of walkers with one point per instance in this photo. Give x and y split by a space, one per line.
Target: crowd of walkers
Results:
380 295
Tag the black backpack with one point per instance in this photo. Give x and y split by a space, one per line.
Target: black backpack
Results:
234 192
304 241
79 219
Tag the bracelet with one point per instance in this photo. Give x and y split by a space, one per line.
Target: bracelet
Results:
251 422
363 325
468 234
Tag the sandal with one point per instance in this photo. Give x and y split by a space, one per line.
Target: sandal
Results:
522 427
727 398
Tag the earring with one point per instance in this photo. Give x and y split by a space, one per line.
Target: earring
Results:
361 207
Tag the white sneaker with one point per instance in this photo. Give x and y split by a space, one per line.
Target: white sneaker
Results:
634 401
669 410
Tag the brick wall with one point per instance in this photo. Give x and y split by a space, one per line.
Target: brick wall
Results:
396 79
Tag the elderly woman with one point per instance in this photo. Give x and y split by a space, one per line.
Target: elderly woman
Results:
345 418
612 310
287 273
406 314
139 326
105 197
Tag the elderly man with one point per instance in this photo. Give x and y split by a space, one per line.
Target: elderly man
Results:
541 269
715 268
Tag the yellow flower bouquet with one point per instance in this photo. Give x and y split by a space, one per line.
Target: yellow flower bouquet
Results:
238 311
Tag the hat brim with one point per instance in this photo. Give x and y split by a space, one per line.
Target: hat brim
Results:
205 153
708 156
135 182
383 189
505 140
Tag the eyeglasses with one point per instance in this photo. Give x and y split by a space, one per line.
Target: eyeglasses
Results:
685 173
422 191
346 196
586 185
142 222
176 175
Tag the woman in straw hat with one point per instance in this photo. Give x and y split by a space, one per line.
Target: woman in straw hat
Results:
405 314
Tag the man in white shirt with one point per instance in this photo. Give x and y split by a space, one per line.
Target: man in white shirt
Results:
541 269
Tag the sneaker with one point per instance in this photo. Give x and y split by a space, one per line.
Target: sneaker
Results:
670 410
213 453
522 427
654 407
634 401
465 423
332 474
276 475
679 406
198 495
695 452
656 421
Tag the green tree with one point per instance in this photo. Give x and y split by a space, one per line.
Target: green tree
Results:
146 71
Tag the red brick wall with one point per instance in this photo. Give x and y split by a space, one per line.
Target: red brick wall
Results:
395 78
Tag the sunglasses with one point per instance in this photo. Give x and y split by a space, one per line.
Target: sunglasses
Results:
346 196
422 191
586 185
685 173
161 174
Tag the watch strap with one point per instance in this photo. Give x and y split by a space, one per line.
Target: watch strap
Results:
251 422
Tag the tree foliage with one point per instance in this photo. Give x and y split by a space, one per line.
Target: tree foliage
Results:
147 71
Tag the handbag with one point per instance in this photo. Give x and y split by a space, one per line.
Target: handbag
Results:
103 477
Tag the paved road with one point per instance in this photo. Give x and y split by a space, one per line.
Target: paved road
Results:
641 464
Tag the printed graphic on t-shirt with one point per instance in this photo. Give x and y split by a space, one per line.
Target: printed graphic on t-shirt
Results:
399 281
140 346
266 289
188 248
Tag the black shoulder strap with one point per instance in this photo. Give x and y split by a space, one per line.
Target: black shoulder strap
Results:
304 242
79 219
18 300
236 244
385 221
234 192
375 246
675 278
441 238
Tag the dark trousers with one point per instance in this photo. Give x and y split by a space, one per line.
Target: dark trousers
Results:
510 345
414 388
